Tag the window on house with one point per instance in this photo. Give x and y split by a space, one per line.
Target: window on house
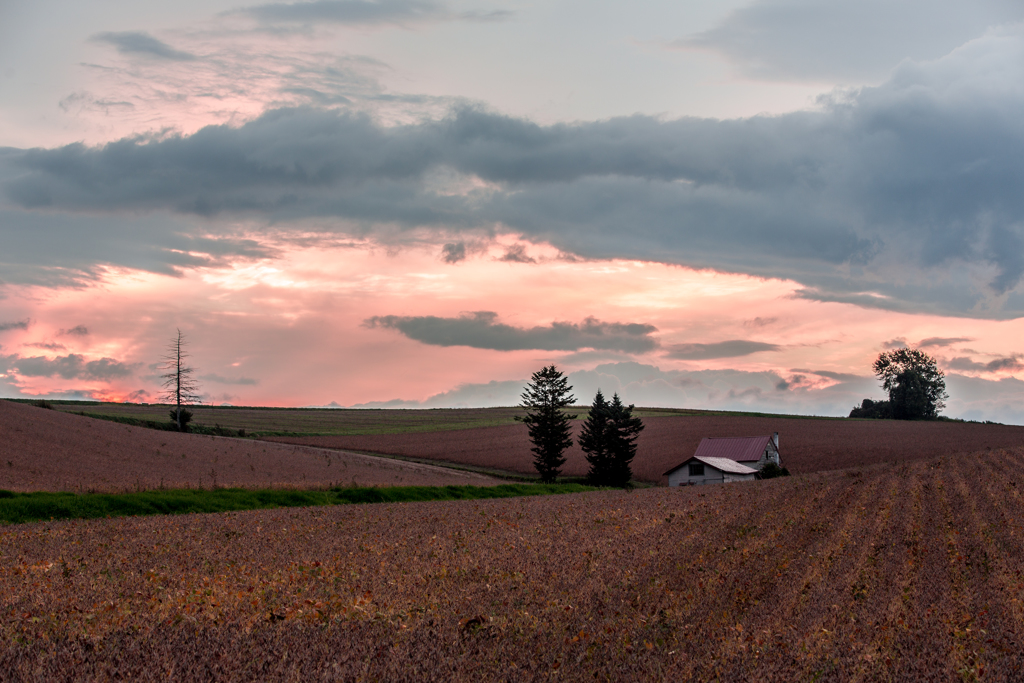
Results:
696 469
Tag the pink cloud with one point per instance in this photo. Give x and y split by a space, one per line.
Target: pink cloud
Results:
288 330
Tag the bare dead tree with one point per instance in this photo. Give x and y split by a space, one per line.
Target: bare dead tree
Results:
180 386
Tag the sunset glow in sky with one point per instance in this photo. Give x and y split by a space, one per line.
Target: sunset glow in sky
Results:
730 205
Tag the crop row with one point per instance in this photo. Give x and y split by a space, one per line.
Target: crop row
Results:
913 571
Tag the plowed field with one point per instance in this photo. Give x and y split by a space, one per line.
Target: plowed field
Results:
46 450
311 420
807 445
905 572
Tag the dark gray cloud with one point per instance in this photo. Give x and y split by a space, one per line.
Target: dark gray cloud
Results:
453 252
76 331
141 43
724 349
760 322
942 341
72 366
61 248
847 41
1009 364
482 331
897 343
517 254
248 381
903 196
364 12
347 11
487 394
73 395
49 346
15 325
838 376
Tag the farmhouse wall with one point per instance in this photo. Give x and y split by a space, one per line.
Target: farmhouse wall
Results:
712 475
681 477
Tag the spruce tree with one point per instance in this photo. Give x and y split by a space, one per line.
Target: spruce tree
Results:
545 397
608 439
623 431
594 441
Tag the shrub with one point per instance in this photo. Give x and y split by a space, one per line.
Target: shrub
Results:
770 470
186 417
876 410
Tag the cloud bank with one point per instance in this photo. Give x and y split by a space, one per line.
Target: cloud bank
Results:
240 381
903 196
942 341
648 385
141 43
14 325
72 366
971 398
364 13
481 330
733 348
851 41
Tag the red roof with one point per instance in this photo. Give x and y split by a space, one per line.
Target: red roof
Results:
738 448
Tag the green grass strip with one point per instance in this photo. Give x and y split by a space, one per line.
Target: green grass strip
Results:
18 508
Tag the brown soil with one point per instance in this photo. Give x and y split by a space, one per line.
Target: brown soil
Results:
53 451
806 445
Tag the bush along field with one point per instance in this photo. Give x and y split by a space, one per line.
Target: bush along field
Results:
898 572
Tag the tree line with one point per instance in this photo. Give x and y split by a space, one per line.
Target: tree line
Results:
608 437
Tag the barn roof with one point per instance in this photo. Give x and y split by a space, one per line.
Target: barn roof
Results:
738 448
723 464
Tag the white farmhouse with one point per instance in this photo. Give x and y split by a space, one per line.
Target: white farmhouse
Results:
725 459
701 470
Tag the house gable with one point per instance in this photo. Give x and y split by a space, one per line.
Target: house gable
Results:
704 470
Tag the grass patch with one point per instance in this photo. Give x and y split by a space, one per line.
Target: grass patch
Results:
167 426
18 508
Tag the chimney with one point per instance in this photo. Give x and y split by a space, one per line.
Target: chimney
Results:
775 438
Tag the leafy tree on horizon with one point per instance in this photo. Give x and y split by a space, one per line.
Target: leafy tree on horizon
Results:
180 387
545 398
608 439
916 385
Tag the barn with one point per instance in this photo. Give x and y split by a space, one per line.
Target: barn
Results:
703 470
721 459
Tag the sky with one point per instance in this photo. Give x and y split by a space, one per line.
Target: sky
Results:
719 205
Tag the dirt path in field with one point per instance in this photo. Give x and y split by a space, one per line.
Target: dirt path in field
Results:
807 445
46 450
